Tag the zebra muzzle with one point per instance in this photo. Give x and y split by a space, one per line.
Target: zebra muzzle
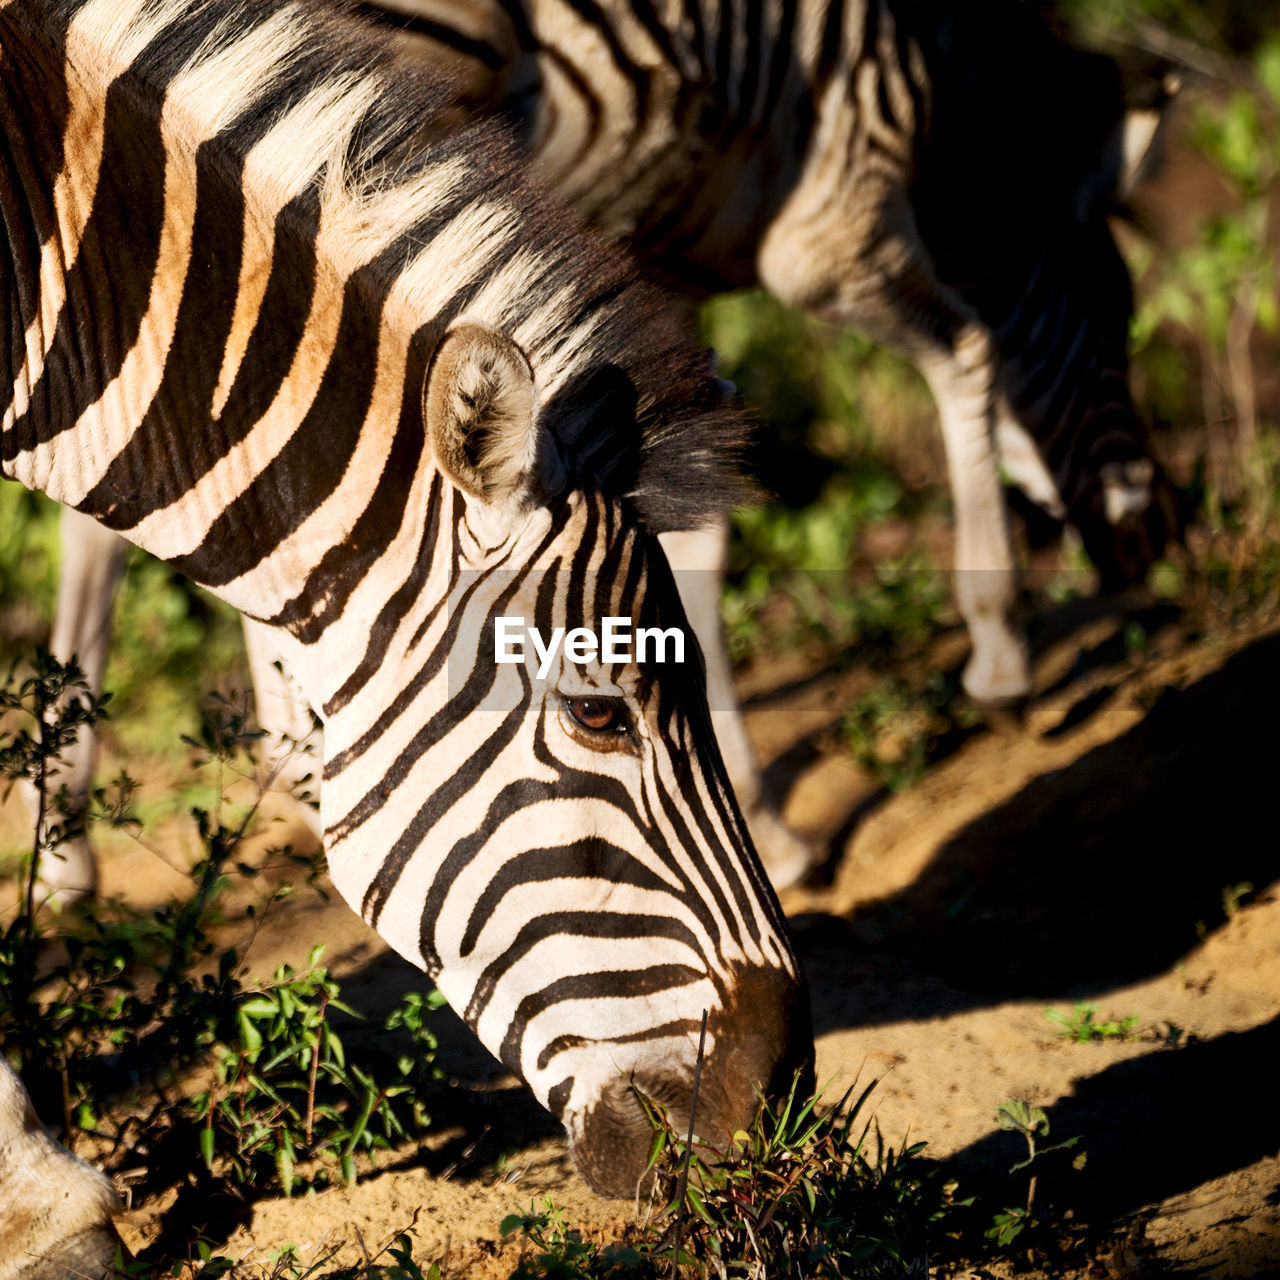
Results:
761 1046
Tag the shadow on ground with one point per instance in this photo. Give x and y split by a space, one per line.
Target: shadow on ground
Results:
1154 1126
1099 874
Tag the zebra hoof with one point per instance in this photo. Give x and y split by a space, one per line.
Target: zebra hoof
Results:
998 676
55 1210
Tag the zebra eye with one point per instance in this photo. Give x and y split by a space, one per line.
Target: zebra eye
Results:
599 715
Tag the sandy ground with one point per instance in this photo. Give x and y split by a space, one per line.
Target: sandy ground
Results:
1080 856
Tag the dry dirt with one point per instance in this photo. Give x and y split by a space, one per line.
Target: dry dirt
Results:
1080 856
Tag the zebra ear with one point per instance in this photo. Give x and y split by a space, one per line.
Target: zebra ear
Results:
480 412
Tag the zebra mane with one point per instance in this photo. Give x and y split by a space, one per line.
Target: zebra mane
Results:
629 397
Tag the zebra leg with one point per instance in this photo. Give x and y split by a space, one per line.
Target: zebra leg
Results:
290 753
1023 464
698 559
860 261
92 561
998 673
55 1210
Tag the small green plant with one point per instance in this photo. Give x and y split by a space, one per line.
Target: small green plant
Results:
553 1250
417 1069
51 704
892 726
799 1192
1223 287
286 1093
1033 1124
171 640
1233 897
1082 1024
135 995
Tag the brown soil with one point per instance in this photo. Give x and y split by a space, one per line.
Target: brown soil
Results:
1080 856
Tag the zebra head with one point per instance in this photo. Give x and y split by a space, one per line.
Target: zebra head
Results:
554 840
1060 301
1117 495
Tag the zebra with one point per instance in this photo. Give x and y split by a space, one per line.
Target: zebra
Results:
938 176
817 147
377 391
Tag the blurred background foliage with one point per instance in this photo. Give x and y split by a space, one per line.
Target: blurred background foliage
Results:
172 643
844 559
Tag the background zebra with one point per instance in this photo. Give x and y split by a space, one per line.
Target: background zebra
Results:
375 394
936 175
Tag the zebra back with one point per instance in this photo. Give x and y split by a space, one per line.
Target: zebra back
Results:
910 169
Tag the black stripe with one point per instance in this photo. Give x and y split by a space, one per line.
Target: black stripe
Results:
722 70
514 10
148 473
591 105
592 858
781 59
594 16
693 11
389 616
345 564
832 41
919 103
469 772
468 46
342 760
678 1028
586 924
644 13
457 519
24 227
120 245
750 81
314 459
605 985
